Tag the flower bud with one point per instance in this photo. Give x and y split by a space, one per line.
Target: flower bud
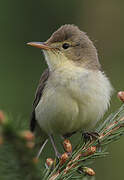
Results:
64 158
35 160
121 95
89 171
1 140
54 176
67 146
30 145
27 135
2 117
49 162
91 150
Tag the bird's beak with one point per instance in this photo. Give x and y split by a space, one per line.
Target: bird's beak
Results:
40 45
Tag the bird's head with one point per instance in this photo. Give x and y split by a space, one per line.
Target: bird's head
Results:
69 45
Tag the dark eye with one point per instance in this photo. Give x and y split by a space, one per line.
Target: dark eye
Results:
66 46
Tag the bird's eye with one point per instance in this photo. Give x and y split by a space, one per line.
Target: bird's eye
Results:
66 46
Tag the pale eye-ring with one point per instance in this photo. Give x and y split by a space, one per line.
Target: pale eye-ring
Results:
66 46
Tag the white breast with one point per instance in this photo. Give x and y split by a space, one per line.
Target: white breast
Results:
73 99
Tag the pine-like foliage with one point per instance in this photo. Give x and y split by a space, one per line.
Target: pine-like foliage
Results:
18 156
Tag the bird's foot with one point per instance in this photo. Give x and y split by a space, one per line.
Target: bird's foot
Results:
89 136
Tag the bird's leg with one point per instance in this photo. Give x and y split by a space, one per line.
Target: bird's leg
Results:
54 146
42 147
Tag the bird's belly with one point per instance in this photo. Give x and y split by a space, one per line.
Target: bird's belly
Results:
75 106
57 113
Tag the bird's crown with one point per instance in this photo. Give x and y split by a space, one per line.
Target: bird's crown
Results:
65 32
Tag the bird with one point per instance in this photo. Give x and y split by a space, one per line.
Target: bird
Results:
73 92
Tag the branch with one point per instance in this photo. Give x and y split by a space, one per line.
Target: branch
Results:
18 156
16 152
76 165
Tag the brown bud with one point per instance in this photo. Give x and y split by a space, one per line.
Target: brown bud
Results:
121 95
35 160
101 136
91 150
2 117
122 119
49 162
64 158
30 144
27 135
54 176
89 171
67 146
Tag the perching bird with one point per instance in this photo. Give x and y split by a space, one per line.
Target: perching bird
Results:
73 93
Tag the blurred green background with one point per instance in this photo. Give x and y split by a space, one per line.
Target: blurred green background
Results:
21 66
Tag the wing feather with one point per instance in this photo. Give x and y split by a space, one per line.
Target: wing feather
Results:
38 96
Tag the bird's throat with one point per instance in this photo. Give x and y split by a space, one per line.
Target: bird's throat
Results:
56 60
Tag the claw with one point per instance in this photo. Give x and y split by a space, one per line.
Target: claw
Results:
90 136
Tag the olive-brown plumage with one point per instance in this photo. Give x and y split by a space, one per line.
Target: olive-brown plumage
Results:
73 93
